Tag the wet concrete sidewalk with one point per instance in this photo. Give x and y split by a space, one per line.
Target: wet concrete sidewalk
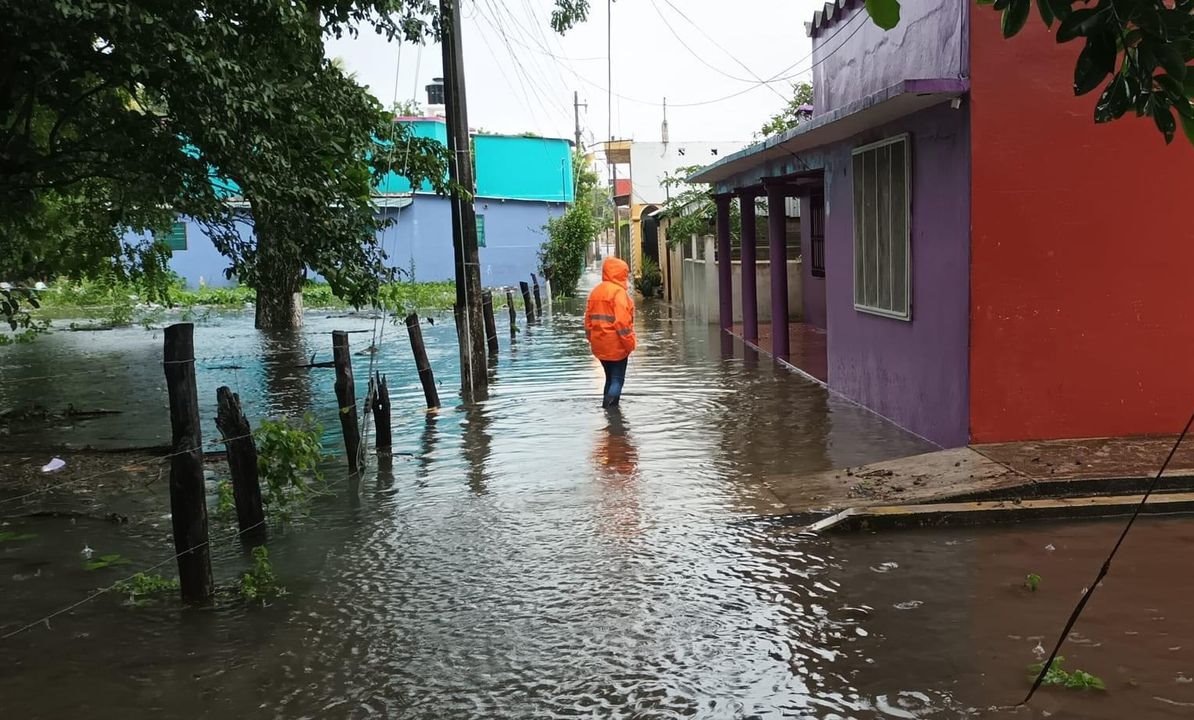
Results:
1008 471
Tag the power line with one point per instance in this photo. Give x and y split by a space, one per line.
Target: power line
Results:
701 57
784 74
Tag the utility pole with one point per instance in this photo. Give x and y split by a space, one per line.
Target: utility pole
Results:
470 322
576 106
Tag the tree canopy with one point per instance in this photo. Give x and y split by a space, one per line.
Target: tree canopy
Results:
117 115
796 111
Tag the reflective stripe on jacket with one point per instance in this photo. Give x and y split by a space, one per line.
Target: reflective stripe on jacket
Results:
609 317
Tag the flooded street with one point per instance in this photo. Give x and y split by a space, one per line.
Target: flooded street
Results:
534 557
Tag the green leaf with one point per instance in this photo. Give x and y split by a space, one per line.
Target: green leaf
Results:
1079 24
1170 58
1171 86
1163 117
884 13
1095 63
1114 101
1061 8
1046 11
1015 16
1187 127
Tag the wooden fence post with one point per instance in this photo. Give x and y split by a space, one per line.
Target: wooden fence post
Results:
513 315
242 462
382 421
538 304
526 301
490 325
188 496
346 399
426 376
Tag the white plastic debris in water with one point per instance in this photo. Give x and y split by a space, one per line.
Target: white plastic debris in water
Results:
910 605
1039 651
87 551
55 464
885 567
1050 547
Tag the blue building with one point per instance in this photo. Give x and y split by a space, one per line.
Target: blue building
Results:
521 183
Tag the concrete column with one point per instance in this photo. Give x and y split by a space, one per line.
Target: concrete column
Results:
725 265
777 240
750 291
711 299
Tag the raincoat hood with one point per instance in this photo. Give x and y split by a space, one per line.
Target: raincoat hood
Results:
615 270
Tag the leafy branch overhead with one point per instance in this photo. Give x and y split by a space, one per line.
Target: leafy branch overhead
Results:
1137 51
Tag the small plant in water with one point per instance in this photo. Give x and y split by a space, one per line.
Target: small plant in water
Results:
1032 582
106 561
141 587
1060 677
9 536
225 499
288 460
260 583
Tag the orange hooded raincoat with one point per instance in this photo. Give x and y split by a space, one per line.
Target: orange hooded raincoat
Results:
609 317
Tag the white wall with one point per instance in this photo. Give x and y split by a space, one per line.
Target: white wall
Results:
651 162
700 287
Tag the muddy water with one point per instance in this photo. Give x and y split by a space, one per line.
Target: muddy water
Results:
534 557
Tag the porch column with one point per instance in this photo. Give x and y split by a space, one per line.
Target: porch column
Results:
725 265
750 290
777 241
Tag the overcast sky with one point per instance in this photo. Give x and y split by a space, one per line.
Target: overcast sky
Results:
520 75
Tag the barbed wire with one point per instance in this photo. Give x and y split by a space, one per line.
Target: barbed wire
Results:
45 619
124 468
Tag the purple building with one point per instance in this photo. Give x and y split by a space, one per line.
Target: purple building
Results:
885 297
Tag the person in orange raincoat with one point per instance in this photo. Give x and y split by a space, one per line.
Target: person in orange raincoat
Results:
609 326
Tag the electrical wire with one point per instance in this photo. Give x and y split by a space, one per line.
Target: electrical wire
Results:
784 74
1105 567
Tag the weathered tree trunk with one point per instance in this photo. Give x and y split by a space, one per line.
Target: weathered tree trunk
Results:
278 280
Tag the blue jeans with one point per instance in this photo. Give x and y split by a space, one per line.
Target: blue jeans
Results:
615 376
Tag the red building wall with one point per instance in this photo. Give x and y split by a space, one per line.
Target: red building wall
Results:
1082 260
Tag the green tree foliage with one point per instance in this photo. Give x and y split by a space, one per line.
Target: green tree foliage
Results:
792 114
1137 51
562 257
692 211
114 116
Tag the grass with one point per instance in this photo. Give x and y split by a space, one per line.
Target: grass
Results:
111 303
1060 677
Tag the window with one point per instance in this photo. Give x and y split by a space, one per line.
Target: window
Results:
816 233
882 280
176 239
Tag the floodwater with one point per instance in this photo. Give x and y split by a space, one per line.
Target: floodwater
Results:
535 557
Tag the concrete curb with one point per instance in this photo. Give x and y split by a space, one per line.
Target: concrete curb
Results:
966 514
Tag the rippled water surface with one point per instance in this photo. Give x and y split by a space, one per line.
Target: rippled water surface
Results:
535 557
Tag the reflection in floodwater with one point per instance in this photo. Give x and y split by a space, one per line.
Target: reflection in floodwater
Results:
616 460
475 445
536 557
